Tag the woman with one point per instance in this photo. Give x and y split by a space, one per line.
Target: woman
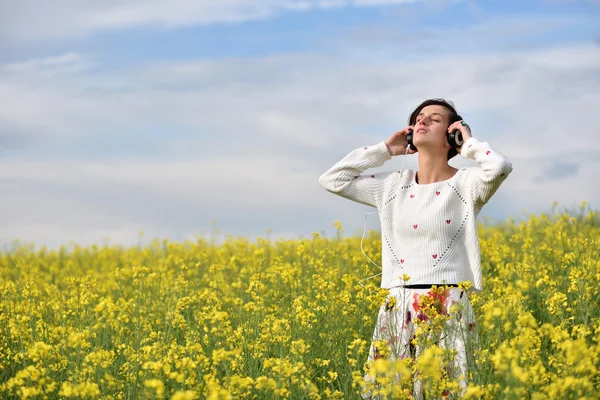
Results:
428 226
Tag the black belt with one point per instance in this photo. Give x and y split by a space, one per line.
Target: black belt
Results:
428 285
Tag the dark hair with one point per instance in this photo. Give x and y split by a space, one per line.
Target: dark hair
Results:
437 102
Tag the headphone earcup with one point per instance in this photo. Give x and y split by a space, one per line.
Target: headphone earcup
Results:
409 139
455 138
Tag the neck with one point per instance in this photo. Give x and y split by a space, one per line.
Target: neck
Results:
433 168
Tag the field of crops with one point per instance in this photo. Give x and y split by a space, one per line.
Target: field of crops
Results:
277 319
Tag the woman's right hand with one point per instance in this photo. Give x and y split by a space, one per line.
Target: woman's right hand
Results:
397 143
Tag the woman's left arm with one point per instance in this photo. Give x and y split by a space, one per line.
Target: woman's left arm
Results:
494 167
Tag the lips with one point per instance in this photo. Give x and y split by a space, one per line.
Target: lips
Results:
421 131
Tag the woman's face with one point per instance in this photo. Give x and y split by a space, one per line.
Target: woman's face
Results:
431 126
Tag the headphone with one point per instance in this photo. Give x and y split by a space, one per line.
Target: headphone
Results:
455 139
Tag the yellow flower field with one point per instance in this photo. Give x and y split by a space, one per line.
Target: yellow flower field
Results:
278 319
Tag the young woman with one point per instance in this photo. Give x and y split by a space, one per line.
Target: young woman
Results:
428 226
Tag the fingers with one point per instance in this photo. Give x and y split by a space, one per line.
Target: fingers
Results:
453 126
403 132
461 126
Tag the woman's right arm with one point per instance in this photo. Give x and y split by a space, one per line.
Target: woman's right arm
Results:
345 179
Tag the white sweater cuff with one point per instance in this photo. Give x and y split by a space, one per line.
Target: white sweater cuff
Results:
469 148
381 150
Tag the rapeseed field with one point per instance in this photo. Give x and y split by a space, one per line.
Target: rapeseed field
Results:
287 319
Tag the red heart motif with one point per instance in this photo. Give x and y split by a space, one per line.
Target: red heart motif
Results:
437 193
447 221
401 261
372 176
412 195
470 145
415 226
434 256
365 148
487 152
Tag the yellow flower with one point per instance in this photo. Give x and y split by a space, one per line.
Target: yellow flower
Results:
265 383
474 392
299 347
156 384
187 395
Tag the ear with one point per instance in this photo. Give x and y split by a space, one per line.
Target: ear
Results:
446 144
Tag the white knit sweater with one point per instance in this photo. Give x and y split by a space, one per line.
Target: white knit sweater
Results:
428 231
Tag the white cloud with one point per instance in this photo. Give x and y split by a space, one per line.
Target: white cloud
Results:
262 134
48 66
31 20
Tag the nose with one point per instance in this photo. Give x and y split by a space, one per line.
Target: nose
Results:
424 121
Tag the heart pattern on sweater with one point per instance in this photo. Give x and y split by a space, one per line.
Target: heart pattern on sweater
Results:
365 148
447 221
372 176
415 226
434 256
487 152
401 261
412 195
437 193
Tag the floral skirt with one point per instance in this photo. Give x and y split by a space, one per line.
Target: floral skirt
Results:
412 320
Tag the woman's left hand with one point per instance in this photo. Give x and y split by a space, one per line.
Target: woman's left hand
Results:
463 128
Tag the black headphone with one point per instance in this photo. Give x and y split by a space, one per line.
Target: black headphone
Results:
455 139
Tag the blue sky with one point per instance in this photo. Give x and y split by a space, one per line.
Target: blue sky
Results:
120 117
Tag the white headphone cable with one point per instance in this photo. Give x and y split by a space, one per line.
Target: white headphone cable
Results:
365 230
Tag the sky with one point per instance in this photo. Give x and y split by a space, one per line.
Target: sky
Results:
124 121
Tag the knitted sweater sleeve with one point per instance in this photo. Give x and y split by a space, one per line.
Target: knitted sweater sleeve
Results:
493 168
345 179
